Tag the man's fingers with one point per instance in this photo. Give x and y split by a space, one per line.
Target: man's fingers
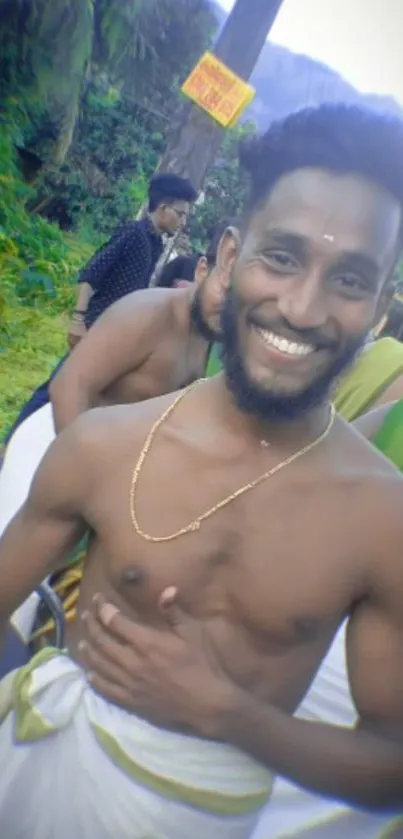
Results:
104 644
101 638
111 618
96 663
118 628
107 612
180 620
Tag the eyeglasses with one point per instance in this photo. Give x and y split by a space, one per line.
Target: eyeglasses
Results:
182 214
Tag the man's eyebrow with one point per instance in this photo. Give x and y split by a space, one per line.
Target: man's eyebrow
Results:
283 238
357 260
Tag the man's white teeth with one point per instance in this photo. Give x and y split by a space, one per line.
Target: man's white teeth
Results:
281 344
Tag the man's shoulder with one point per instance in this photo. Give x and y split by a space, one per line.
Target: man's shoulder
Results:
104 431
155 306
130 224
132 229
379 511
382 524
367 476
136 227
358 448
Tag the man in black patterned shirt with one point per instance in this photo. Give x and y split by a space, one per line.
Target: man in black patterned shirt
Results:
125 264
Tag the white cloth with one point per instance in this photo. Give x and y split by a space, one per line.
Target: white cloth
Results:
294 813
23 455
73 765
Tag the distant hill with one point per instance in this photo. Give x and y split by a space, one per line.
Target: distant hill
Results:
286 82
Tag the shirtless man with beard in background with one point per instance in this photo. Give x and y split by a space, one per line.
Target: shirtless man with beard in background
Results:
284 521
149 343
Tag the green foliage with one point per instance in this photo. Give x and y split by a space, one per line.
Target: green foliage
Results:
34 260
103 180
37 270
149 61
114 51
46 47
50 49
36 341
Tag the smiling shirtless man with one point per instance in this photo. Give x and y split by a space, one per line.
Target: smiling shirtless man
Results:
284 521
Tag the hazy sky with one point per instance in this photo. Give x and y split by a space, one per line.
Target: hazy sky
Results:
361 39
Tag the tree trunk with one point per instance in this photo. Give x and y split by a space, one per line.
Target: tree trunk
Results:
196 139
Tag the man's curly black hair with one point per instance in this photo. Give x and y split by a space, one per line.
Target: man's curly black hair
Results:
166 187
340 138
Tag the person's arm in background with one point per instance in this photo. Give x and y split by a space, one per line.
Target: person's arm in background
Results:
77 328
50 521
117 344
369 424
95 274
392 393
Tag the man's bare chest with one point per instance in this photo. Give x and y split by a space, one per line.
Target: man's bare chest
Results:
282 562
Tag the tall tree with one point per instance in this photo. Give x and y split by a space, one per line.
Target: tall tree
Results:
197 137
48 48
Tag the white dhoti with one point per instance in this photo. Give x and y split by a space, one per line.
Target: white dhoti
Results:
74 766
24 453
294 813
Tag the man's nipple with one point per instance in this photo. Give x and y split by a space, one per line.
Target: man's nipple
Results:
132 576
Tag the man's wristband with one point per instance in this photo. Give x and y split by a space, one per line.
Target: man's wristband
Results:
79 312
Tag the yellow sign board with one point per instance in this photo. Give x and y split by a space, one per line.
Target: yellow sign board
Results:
215 88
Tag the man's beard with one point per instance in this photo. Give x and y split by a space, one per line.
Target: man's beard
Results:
198 320
269 405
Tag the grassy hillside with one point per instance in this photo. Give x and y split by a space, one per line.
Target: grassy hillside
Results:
38 267
33 338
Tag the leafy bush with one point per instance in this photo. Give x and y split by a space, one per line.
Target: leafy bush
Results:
104 178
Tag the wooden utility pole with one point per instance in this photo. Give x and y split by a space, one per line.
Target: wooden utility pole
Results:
196 139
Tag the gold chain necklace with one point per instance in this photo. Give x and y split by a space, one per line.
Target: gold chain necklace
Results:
195 524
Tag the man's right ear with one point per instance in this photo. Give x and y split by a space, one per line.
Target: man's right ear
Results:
227 253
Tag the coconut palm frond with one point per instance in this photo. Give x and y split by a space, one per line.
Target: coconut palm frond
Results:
51 47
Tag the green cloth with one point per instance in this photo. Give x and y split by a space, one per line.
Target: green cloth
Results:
376 368
214 364
389 437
